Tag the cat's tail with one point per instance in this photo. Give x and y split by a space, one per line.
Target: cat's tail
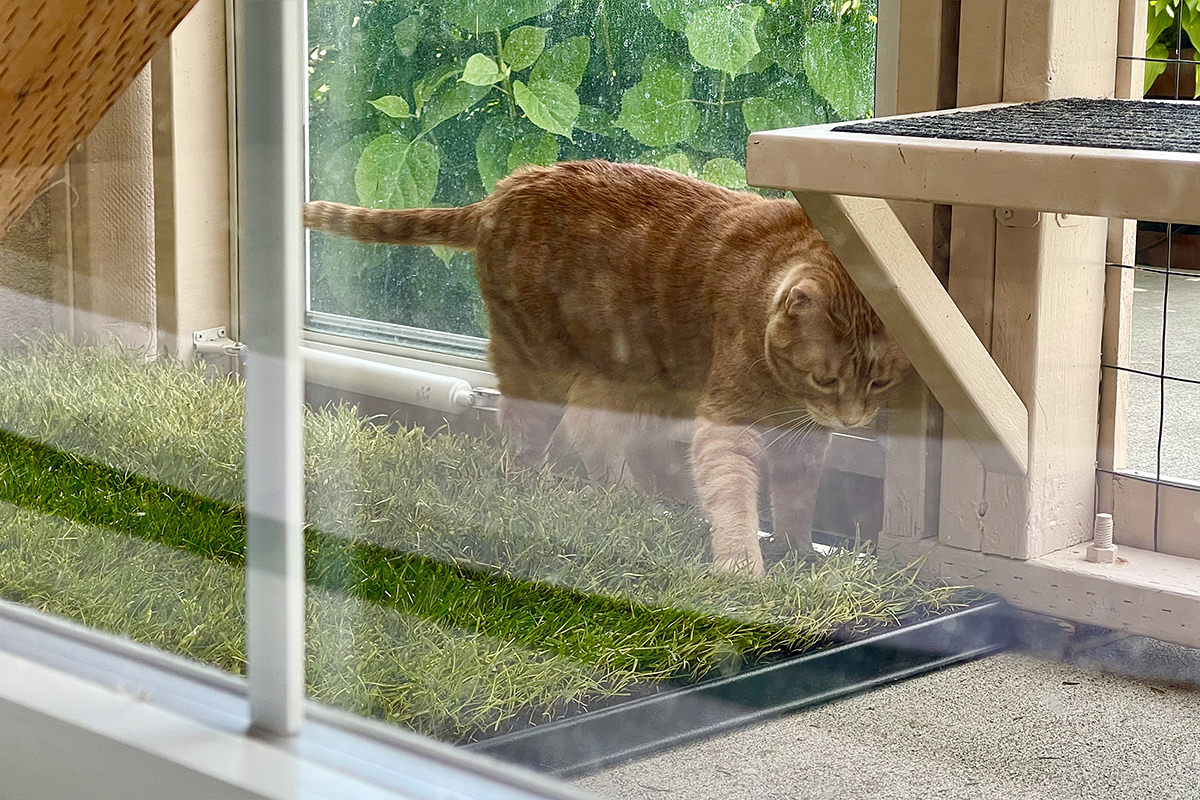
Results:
451 227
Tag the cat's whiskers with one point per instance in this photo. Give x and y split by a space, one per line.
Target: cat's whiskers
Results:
799 413
791 432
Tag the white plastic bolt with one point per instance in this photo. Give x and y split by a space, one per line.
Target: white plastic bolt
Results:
1102 550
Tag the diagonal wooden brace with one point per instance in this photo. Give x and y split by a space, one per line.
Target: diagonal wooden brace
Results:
892 274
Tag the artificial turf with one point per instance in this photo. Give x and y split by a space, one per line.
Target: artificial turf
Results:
448 592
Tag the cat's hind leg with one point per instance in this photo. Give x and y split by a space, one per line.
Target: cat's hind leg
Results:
531 406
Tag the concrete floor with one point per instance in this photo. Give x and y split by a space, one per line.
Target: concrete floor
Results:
1114 720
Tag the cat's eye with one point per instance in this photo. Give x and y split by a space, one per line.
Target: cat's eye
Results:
880 385
824 384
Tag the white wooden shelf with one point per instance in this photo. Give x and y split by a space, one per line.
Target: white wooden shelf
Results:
1093 181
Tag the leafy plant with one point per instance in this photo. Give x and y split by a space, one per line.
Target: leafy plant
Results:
431 102
1169 25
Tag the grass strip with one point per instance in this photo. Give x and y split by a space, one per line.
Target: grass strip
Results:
448 592
606 632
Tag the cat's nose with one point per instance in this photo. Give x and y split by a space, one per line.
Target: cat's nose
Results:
861 420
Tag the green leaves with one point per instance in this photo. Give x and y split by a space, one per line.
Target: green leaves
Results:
550 105
1164 18
523 47
407 35
838 58
429 83
492 147
671 13
1155 68
533 148
566 62
494 15
449 100
396 172
482 71
724 172
395 107
722 37
657 110
784 106
677 162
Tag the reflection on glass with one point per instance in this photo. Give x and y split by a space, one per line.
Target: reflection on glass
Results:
120 466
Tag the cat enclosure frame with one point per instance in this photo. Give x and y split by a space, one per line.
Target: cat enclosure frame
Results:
999 294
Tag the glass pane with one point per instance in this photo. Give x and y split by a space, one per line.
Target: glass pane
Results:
490 578
121 455
417 105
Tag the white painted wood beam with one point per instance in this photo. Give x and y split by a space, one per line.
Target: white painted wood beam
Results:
898 283
1091 181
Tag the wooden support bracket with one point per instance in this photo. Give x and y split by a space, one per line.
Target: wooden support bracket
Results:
892 274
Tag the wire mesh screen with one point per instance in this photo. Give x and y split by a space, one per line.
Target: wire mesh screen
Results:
1156 468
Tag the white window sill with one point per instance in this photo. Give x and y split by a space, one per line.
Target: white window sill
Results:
86 715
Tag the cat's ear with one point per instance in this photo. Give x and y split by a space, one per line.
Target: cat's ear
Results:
802 297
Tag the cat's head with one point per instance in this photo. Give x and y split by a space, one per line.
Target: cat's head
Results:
825 346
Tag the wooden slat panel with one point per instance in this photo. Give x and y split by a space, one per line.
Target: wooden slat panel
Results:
1133 501
191 180
65 63
896 280
1178 512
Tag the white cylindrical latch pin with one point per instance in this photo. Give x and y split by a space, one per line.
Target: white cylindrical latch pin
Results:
1102 550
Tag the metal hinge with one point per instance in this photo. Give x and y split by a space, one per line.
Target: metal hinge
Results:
216 342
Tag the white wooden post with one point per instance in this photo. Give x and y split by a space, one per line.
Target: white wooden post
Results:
1118 286
191 179
1049 296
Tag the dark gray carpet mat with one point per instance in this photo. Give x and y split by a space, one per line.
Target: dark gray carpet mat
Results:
1076 122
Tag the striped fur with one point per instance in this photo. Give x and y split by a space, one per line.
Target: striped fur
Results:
450 227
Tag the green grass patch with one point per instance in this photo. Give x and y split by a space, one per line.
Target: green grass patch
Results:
448 592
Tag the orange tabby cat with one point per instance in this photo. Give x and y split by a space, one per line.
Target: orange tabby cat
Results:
666 296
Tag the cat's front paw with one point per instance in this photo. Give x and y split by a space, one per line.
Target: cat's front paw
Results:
749 563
